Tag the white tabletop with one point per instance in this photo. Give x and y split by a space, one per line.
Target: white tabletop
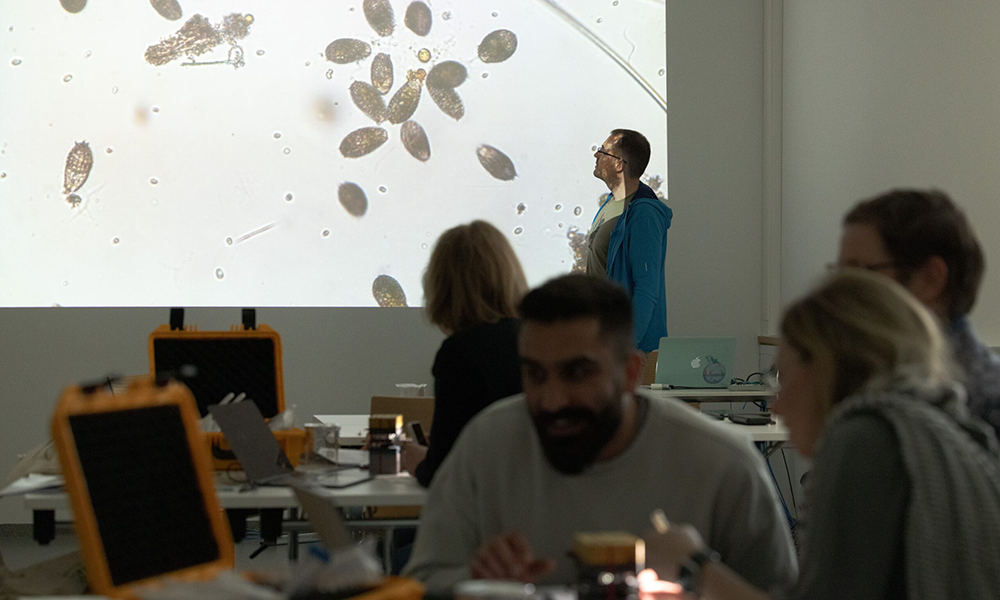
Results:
775 432
384 490
708 395
353 428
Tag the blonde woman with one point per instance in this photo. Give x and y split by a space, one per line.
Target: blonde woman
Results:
904 495
472 287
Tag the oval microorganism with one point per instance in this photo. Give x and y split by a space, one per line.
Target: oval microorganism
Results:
353 199
388 293
418 18
346 50
496 163
415 140
73 6
363 141
168 9
404 102
382 72
369 100
380 16
448 74
79 161
497 46
448 101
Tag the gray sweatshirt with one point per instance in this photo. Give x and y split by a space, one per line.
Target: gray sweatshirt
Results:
496 480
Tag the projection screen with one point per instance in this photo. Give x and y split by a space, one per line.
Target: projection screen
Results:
306 153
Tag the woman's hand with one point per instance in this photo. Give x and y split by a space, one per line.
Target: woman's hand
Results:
666 551
511 558
413 455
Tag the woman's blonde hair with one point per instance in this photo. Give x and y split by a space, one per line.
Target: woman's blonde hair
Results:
474 277
862 331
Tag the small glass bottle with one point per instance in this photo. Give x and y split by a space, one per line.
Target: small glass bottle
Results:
384 451
607 564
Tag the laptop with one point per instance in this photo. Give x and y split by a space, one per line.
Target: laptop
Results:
324 516
696 362
260 454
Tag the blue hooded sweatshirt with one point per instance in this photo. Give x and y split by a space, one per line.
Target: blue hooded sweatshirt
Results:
636 254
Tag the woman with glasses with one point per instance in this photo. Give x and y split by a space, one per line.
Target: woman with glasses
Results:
904 496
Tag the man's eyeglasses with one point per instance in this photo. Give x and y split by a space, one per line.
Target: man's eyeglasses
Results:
599 151
882 266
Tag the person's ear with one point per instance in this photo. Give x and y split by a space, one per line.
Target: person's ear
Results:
633 370
929 283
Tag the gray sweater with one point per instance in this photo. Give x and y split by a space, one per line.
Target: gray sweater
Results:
496 480
905 500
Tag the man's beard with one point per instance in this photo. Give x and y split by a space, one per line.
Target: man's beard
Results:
571 455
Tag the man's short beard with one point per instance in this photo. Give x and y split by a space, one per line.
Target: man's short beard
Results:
572 455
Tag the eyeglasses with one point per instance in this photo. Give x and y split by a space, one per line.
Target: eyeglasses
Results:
599 151
882 266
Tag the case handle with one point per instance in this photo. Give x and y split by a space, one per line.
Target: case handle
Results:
176 319
249 318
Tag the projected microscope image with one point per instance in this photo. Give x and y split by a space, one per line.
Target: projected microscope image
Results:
242 152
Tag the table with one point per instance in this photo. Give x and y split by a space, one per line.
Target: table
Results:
709 395
773 433
384 490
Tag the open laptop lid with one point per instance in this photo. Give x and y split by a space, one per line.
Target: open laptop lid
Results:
253 444
139 480
696 362
324 516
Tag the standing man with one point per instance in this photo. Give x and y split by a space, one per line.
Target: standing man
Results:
628 239
925 242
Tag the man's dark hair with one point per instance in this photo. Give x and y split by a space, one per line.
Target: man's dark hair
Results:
917 224
573 297
634 148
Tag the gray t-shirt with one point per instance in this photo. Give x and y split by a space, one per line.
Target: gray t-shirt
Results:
496 480
600 235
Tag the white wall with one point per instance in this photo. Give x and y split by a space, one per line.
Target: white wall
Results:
714 102
335 359
884 94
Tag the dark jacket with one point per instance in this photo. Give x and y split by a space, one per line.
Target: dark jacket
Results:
473 369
